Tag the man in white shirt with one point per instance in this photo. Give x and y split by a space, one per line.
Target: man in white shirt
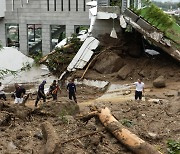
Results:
2 93
139 89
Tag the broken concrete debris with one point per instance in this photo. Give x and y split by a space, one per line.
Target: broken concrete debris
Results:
152 34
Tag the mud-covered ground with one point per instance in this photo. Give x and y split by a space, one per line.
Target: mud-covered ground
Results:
156 119
155 122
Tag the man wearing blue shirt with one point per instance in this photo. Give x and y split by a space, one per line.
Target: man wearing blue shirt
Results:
41 93
71 88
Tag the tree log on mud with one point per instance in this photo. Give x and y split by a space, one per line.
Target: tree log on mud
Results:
52 145
43 59
130 140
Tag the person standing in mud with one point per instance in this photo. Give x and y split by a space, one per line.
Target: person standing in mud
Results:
19 93
71 88
53 90
2 93
41 93
139 89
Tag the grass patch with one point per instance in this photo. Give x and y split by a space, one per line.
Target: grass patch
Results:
163 22
173 147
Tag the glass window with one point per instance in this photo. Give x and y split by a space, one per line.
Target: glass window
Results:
34 38
12 35
62 8
76 5
47 5
81 29
58 33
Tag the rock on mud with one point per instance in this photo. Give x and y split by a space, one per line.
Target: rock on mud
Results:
108 62
159 82
124 72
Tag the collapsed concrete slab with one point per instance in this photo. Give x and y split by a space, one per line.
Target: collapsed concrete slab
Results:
152 34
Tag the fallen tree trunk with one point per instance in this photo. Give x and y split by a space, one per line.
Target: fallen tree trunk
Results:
130 140
52 145
43 59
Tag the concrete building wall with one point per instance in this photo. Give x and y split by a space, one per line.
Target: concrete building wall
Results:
2 8
38 12
105 26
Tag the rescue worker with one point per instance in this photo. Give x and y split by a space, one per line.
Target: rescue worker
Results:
53 90
71 88
41 93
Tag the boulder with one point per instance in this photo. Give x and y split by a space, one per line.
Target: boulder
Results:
108 62
159 82
124 72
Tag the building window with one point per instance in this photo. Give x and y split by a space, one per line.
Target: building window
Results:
34 39
54 5
84 5
12 35
58 33
76 5
47 5
69 4
62 4
81 29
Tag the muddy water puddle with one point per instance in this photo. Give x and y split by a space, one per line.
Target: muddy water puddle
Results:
115 93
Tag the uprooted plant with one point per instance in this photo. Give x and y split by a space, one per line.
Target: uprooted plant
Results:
57 60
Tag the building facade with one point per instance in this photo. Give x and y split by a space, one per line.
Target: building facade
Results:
38 25
34 25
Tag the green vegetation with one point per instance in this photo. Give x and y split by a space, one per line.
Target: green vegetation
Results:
37 57
57 62
156 17
0 45
7 71
116 3
26 66
173 147
62 116
127 123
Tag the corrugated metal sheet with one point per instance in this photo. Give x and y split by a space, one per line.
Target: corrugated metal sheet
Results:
84 54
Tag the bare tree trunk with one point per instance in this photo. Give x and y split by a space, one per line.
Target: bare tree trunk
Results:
129 139
52 145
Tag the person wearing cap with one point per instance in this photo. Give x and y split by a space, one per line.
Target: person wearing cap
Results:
53 90
2 93
41 93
